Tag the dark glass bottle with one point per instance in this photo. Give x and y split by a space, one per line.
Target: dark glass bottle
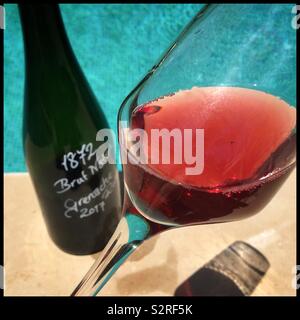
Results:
78 195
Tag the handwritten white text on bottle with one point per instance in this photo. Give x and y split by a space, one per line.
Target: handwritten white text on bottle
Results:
62 185
102 192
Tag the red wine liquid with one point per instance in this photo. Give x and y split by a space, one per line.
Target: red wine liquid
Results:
249 150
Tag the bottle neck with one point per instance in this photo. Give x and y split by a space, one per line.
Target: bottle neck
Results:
45 39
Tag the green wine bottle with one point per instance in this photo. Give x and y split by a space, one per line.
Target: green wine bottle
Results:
79 195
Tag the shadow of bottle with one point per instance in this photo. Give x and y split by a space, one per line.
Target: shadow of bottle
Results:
236 271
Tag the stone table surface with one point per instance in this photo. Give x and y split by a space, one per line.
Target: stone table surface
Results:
34 266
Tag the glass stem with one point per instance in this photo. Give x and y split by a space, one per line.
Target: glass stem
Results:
129 234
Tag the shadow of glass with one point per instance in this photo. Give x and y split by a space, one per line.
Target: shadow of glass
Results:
146 248
97 254
150 279
236 271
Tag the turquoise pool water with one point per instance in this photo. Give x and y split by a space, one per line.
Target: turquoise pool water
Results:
115 45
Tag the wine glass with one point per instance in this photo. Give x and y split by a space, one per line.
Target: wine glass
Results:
231 75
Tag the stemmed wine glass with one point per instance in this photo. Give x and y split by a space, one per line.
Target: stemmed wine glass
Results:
231 75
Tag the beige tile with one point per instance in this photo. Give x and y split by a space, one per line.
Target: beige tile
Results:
35 266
